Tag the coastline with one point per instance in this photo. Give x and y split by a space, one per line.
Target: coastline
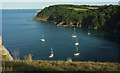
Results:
89 27
104 17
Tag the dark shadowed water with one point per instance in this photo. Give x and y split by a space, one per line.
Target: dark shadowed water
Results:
24 35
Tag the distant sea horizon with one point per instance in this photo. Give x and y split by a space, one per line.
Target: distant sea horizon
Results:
47 4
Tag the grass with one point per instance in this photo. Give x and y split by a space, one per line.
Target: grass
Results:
77 9
43 65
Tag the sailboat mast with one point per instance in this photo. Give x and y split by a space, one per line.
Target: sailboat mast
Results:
51 51
76 49
74 29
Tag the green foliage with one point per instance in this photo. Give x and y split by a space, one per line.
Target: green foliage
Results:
77 9
42 65
85 15
28 58
15 54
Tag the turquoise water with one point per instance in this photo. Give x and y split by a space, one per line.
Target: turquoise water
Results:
24 35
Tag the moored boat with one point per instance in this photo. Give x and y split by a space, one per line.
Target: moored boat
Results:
76 43
77 53
42 39
52 54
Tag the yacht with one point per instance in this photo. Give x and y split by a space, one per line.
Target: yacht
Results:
52 54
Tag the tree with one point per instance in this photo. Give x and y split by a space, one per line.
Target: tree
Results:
101 19
104 16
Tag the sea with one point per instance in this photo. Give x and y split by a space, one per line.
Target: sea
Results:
23 36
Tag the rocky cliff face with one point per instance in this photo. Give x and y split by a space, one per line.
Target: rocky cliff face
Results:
0 40
4 52
0 55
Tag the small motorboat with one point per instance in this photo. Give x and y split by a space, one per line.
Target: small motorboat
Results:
76 43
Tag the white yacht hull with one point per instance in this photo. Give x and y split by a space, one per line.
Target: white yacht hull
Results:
74 36
51 56
42 40
76 54
76 44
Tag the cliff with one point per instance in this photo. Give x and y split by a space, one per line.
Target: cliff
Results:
4 52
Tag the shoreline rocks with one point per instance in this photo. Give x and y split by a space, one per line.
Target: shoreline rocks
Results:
79 25
38 19
37 10
60 24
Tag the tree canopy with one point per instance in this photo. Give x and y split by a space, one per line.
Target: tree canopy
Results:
107 16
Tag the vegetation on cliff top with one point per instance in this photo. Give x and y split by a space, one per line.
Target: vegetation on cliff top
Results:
107 17
43 65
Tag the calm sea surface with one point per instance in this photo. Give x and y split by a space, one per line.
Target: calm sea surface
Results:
24 35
